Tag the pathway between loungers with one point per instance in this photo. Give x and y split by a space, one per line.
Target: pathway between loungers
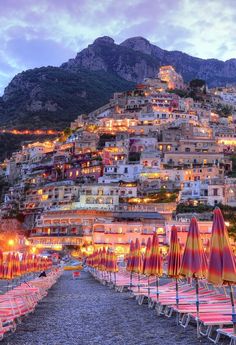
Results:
83 312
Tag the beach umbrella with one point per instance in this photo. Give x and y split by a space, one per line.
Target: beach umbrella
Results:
146 262
138 261
1 265
130 262
137 267
222 267
207 249
17 271
130 257
8 274
193 264
112 264
156 261
174 261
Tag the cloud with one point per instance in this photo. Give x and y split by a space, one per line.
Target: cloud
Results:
48 32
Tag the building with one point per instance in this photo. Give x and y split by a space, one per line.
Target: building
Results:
173 79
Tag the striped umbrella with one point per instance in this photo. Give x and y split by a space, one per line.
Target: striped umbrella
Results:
193 264
156 261
130 262
130 257
137 267
138 261
1 265
17 271
112 264
146 262
207 249
8 274
222 267
174 261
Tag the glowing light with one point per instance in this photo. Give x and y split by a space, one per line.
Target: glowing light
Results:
11 243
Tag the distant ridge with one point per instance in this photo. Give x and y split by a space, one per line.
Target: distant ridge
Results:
51 97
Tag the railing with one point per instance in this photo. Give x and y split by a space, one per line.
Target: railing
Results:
162 208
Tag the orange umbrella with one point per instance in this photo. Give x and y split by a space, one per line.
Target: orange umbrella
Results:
193 264
174 261
1 265
130 262
222 267
130 257
156 261
138 261
174 257
146 261
17 271
8 274
137 267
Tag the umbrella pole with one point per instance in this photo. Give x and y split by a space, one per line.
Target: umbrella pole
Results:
177 299
138 282
197 306
157 285
130 282
233 307
148 286
115 278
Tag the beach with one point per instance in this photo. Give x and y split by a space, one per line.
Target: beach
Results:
84 312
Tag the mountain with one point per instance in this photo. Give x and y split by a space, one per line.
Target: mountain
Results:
136 58
51 97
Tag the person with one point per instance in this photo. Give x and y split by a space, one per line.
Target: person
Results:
42 274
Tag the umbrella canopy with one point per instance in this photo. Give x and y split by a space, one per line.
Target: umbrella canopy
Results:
1 265
112 263
146 260
174 257
193 263
8 273
130 257
222 267
156 261
138 264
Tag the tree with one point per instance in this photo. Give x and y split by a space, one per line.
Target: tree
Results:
197 83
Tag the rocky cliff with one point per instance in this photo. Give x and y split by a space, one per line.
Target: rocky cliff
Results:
53 96
136 58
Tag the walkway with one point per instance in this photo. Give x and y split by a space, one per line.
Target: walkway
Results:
83 312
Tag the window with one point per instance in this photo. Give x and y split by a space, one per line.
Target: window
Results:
215 191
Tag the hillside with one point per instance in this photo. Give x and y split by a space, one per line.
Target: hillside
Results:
50 97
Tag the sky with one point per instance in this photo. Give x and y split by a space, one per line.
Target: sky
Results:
49 32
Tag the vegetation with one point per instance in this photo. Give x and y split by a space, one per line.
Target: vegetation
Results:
51 97
224 110
134 156
197 83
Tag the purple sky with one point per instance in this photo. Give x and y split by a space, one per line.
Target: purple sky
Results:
49 32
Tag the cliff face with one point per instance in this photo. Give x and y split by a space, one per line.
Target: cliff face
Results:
105 55
53 96
136 58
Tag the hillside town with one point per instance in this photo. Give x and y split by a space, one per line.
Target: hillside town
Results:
147 160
